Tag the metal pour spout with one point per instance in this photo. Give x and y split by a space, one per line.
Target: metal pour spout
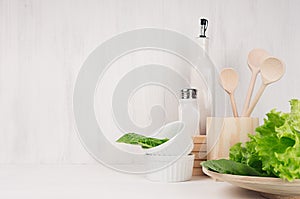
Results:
203 27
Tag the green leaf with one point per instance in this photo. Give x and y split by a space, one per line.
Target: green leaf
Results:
230 167
143 141
275 148
246 155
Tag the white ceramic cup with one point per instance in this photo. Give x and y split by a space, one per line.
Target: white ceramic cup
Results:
178 171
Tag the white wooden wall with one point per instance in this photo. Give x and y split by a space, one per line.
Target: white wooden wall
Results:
44 43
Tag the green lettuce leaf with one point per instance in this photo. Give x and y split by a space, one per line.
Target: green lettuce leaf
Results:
230 167
143 141
275 148
246 155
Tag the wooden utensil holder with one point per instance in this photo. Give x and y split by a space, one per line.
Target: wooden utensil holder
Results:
222 133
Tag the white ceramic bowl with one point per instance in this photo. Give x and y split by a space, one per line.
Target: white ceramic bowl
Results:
179 143
180 170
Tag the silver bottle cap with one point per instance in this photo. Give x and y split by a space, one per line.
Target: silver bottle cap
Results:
188 93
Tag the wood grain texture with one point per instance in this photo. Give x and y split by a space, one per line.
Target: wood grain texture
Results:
197 163
199 147
197 171
44 43
199 139
222 133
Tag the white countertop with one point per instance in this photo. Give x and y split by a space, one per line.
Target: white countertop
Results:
96 181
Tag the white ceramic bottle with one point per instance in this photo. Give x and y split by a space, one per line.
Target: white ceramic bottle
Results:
188 111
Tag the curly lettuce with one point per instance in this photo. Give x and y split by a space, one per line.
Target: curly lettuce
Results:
275 148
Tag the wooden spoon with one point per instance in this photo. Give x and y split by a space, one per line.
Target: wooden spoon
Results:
255 57
229 80
271 69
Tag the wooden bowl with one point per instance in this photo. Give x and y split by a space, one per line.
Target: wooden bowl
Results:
273 188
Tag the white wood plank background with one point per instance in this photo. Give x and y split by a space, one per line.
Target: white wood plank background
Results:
44 43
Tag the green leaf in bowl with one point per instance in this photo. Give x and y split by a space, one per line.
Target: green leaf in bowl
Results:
143 141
